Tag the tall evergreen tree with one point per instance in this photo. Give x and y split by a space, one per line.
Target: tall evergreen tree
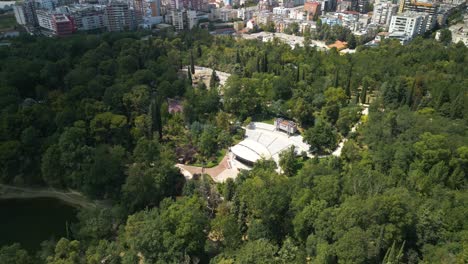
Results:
192 63
409 96
258 64
265 62
337 77
348 83
298 73
351 41
155 113
214 80
364 93
189 76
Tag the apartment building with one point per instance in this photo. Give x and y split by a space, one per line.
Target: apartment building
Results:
407 25
57 24
383 13
421 6
88 17
119 16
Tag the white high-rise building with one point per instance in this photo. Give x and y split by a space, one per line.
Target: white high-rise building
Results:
192 19
383 13
20 14
411 23
177 19
45 19
25 13
46 4
408 25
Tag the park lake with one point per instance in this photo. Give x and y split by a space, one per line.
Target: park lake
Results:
31 221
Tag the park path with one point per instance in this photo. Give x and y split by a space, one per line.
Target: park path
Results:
338 150
218 173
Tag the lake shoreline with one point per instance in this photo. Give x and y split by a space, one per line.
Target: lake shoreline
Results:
71 197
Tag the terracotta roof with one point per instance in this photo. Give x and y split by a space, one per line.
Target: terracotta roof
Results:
339 45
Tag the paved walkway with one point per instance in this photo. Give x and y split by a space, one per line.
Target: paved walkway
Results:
218 173
338 150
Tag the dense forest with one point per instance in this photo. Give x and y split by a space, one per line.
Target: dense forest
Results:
91 113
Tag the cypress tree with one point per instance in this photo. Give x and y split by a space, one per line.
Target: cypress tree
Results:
265 63
199 49
214 79
238 59
298 73
311 73
364 93
258 64
189 76
348 83
409 96
337 76
155 113
192 63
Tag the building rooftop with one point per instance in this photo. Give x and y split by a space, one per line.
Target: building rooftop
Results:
410 14
339 45
61 18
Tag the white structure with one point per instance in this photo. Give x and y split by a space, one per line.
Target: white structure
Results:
263 17
286 126
182 19
177 19
246 13
383 13
251 24
291 40
20 14
282 11
88 17
409 23
192 19
223 14
45 19
46 4
25 13
264 141
249 151
298 13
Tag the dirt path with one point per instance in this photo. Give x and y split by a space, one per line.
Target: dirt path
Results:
71 197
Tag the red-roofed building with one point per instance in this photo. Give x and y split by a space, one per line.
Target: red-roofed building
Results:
56 24
63 25
313 9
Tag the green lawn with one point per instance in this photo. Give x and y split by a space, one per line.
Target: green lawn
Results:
212 163
7 21
270 121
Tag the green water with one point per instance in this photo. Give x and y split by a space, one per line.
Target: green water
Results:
31 221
